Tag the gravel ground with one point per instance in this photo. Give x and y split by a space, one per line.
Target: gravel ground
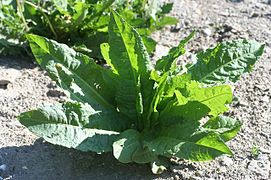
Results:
24 86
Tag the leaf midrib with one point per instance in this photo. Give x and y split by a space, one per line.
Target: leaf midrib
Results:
214 97
131 67
209 74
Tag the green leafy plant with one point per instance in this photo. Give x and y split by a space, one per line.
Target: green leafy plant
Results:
143 112
255 151
80 23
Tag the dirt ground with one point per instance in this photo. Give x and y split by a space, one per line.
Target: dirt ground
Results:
25 157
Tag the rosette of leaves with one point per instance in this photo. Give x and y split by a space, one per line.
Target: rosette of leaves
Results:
142 112
80 23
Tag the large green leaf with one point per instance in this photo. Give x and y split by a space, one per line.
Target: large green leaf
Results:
172 86
214 98
126 145
183 129
166 84
207 148
74 72
226 62
74 125
130 61
183 126
192 110
128 148
225 126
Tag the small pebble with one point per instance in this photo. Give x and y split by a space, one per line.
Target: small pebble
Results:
254 14
3 167
176 177
265 99
226 161
207 32
243 103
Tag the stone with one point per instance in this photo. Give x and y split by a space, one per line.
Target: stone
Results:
207 32
243 103
254 14
195 178
226 161
265 99
3 167
8 76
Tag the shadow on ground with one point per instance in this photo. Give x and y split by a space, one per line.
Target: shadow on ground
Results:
16 63
44 161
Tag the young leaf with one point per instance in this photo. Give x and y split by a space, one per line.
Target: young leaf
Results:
166 8
81 11
152 115
226 62
176 82
167 20
165 63
149 43
130 61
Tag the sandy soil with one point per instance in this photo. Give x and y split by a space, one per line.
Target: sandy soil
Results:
25 157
